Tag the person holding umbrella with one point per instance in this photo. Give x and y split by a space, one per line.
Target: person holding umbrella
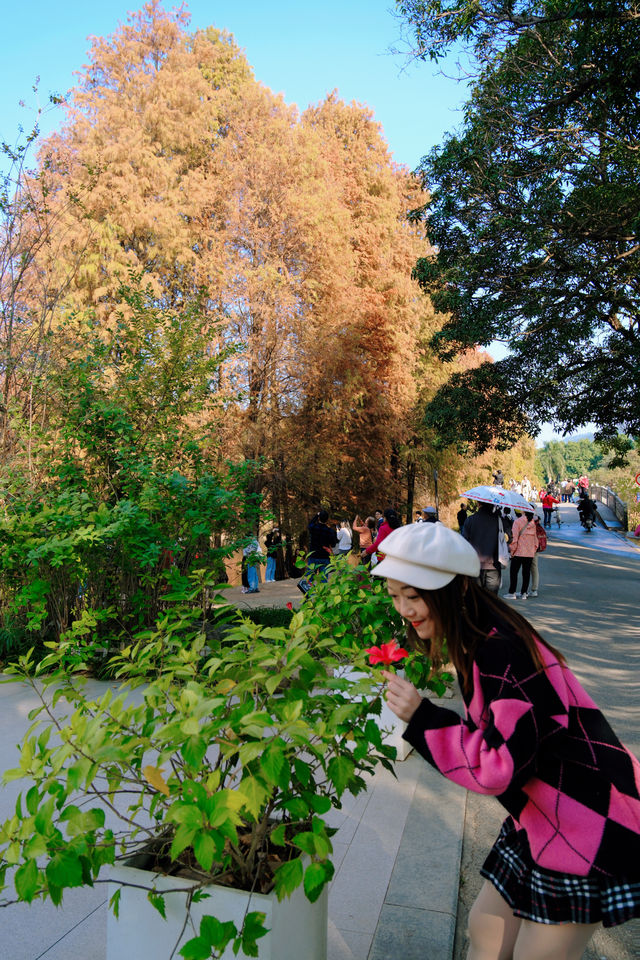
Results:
482 530
523 546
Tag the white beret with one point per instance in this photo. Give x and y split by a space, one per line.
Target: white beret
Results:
426 555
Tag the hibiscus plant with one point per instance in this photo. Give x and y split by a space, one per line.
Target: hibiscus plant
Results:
356 608
217 753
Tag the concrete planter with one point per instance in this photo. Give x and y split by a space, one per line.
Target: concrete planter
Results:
297 928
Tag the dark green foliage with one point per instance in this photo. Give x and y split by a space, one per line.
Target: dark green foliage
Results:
269 616
14 640
535 215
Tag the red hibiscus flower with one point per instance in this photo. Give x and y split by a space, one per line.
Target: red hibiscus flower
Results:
386 653
289 605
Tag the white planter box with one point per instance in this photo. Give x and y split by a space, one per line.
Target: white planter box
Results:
297 928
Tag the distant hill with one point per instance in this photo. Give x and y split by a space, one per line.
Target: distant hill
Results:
556 438
578 436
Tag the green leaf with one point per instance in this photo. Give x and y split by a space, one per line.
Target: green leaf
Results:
190 727
64 869
216 935
315 877
26 880
114 902
313 843
42 821
297 807
187 814
252 929
372 733
279 835
157 902
273 765
204 849
255 794
249 751
36 846
183 839
196 949
303 771
288 878
32 800
340 770
318 802
193 750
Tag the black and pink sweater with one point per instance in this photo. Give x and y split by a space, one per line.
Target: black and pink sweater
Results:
540 744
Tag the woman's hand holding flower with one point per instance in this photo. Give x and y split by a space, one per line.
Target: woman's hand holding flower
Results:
402 696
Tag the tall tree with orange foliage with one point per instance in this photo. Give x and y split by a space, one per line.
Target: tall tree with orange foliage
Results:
291 231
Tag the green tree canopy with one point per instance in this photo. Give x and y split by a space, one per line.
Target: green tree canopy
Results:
569 459
535 214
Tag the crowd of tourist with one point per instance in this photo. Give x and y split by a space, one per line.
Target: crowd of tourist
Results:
504 539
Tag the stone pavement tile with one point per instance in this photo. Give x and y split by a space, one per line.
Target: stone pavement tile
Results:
427 868
347 945
87 941
358 891
354 808
346 819
339 853
30 930
384 818
410 934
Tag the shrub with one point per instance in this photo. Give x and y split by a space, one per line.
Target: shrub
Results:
225 760
129 492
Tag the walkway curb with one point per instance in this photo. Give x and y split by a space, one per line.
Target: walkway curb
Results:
418 916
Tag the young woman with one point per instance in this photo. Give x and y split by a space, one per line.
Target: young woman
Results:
568 855
367 530
522 547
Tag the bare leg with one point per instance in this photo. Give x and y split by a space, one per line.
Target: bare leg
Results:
552 941
493 929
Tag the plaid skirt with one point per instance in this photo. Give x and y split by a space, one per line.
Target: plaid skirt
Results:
550 897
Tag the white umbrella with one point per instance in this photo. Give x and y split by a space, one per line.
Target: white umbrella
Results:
498 497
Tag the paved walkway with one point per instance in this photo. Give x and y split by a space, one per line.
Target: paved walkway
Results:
399 845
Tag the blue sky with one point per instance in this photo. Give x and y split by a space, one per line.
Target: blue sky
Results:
300 51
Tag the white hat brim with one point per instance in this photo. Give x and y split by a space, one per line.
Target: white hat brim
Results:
413 574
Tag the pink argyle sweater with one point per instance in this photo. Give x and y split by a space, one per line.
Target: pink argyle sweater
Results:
539 744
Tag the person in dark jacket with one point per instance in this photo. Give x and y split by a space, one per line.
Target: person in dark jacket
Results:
462 516
272 543
322 540
481 530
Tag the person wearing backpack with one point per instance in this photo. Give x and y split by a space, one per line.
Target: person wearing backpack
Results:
542 545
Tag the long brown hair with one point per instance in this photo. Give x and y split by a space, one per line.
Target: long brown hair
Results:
463 614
